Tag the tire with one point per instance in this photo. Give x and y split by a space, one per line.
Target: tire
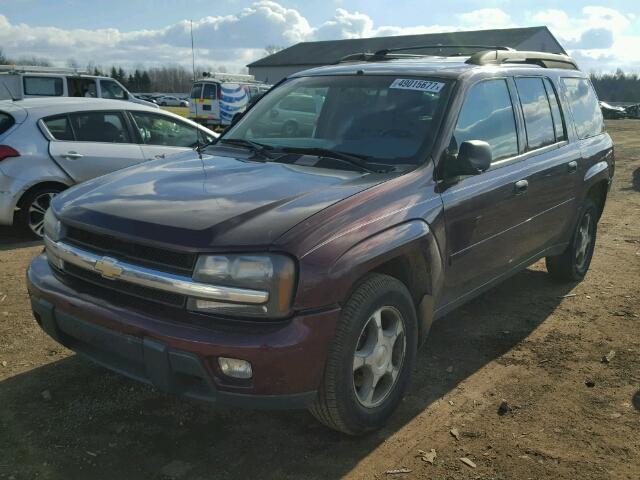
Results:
33 206
572 264
345 399
289 129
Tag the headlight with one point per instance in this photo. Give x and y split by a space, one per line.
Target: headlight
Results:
274 274
52 226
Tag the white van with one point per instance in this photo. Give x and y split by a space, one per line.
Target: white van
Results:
218 97
17 82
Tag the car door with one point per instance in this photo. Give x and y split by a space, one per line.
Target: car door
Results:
552 164
93 143
485 214
163 135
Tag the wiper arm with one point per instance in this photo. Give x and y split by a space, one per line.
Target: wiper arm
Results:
255 147
351 158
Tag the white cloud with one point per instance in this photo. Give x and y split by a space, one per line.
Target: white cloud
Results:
600 36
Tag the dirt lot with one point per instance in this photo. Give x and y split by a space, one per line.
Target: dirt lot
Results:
536 344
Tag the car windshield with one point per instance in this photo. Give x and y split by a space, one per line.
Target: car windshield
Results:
380 119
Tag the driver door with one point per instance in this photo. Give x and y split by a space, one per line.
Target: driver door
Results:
485 214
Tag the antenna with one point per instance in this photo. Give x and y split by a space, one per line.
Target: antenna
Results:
193 66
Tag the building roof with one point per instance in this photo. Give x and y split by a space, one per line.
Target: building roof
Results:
327 52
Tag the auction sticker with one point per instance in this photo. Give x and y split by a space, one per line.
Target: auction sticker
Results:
413 84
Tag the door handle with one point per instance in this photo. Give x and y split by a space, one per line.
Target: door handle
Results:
572 166
72 155
521 186
160 156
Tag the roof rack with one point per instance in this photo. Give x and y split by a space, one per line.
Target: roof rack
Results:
390 53
37 69
440 46
543 59
227 77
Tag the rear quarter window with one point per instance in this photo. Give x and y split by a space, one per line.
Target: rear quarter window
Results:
43 86
59 127
583 103
6 122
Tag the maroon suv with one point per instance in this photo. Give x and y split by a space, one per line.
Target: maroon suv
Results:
302 266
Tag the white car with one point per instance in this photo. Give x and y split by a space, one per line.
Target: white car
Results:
50 144
169 101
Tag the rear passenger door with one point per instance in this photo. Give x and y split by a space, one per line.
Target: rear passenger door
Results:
89 144
485 214
551 166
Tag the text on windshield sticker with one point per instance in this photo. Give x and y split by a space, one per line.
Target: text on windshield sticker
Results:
413 84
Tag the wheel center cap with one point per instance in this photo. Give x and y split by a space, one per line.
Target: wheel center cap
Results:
381 356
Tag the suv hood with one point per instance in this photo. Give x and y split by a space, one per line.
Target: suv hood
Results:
188 203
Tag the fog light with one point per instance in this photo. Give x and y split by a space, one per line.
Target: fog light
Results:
234 367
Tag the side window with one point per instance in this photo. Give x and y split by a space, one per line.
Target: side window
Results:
59 127
584 106
106 127
196 90
556 112
487 114
210 91
537 112
112 90
163 130
44 86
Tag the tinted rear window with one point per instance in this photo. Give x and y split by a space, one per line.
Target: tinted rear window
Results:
556 111
537 112
584 106
196 90
44 86
6 122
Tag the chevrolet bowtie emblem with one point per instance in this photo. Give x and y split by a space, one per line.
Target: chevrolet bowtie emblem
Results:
108 268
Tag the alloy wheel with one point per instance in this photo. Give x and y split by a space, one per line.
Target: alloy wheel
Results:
378 357
36 212
583 240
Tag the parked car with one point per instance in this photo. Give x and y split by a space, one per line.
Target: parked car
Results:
612 112
294 115
305 271
49 144
170 101
18 82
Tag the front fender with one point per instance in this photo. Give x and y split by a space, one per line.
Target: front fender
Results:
413 245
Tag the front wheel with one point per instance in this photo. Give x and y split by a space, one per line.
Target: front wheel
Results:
572 264
371 357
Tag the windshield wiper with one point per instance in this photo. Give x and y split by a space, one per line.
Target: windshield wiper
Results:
255 147
351 158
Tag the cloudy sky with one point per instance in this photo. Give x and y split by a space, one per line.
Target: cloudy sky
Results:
602 36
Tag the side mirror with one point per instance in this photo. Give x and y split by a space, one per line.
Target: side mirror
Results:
474 157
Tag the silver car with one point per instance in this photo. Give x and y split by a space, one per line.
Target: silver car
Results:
50 144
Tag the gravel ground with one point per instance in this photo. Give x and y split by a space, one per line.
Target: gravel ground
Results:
534 344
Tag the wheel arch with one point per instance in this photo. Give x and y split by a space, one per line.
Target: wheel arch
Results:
407 252
36 186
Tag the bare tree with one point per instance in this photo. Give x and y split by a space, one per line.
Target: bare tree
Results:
271 49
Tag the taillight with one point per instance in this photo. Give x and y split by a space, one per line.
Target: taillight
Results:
6 151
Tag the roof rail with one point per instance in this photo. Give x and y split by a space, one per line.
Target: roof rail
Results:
390 53
38 69
440 46
543 59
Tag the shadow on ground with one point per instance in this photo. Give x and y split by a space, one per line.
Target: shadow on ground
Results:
11 238
102 426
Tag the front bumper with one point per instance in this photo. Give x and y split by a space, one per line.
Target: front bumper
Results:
162 347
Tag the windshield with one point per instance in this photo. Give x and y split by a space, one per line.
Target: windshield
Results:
382 119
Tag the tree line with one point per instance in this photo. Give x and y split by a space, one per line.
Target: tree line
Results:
612 87
617 87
